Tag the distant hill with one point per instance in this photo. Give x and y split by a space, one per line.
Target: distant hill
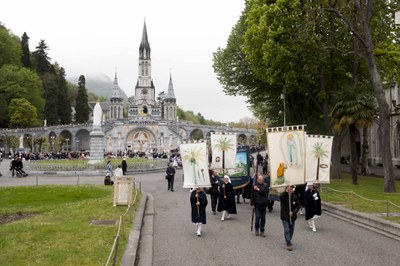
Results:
100 85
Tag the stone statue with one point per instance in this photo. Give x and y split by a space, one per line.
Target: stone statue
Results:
97 115
21 141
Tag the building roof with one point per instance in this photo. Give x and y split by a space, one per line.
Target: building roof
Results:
170 92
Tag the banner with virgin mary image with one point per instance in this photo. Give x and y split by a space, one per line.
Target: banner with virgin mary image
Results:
286 150
194 164
223 148
318 158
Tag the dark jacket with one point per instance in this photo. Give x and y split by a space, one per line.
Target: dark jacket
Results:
214 180
170 172
228 203
260 197
198 214
312 204
124 166
295 206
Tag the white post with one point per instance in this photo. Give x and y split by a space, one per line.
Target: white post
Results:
397 18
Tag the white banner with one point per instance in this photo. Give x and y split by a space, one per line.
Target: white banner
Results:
286 150
194 163
318 158
223 143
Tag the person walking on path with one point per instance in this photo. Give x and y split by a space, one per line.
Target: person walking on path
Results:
214 193
170 177
198 202
313 205
124 166
289 214
226 201
259 201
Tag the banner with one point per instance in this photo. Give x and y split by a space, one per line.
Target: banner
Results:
240 175
223 145
194 163
286 151
318 158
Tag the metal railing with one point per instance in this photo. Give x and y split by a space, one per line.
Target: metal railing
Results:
121 228
352 199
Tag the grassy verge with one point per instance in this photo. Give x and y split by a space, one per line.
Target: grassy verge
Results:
370 188
59 232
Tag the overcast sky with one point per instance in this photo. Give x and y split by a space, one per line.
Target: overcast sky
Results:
94 38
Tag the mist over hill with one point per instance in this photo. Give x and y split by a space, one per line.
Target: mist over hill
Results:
100 85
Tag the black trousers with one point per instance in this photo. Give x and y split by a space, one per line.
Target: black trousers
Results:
214 201
171 182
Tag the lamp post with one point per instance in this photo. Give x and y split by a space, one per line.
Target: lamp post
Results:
77 145
67 139
33 142
284 109
52 143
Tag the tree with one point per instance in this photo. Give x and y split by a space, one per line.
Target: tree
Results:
22 113
42 60
63 100
10 48
371 22
19 82
353 109
82 106
50 85
26 54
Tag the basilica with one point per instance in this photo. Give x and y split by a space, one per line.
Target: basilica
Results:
151 123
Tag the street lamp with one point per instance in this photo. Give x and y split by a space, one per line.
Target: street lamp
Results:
284 109
33 142
67 139
52 143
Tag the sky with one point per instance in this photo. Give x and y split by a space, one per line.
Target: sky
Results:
97 38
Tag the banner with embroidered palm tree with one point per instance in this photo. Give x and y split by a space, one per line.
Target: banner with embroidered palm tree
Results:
318 158
194 163
286 150
223 147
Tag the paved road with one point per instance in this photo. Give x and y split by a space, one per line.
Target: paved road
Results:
231 243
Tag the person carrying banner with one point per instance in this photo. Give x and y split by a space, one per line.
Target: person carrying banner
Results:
226 202
289 207
198 202
213 191
313 205
259 201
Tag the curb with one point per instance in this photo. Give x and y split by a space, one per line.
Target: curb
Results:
145 257
365 220
93 172
130 253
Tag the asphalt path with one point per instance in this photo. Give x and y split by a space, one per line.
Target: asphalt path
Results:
231 242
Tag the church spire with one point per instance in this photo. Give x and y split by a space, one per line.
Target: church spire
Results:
116 92
144 48
170 93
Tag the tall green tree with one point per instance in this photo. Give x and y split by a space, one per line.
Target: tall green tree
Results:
19 82
63 100
372 23
82 107
50 85
26 54
10 48
354 109
22 113
42 59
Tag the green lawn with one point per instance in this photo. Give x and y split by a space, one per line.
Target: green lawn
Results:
59 232
370 188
